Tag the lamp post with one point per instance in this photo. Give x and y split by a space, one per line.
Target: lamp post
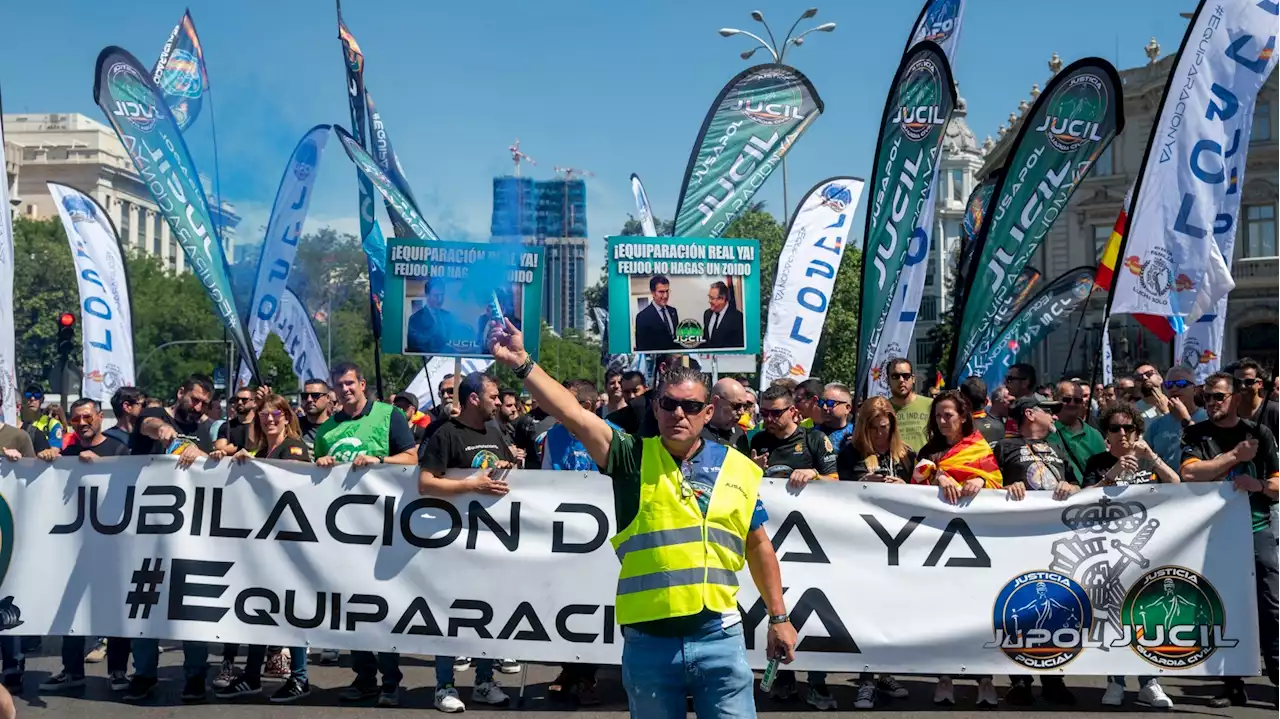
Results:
779 54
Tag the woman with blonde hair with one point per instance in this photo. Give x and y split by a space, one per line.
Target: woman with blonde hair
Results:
875 451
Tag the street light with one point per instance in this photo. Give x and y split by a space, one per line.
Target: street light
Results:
779 54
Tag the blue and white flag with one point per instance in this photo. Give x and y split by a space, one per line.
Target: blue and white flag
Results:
284 229
180 72
643 208
1186 201
806 277
8 348
292 324
939 22
106 318
385 155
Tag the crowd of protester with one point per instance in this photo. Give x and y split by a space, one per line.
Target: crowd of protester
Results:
1022 436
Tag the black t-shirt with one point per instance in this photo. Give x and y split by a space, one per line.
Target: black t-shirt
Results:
733 437
455 445
637 417
1095 471
529 430
291 448
39 438
308 430
1206 440
852 466
235 432
991 429
1034 462
108 447
196 433
1268 414
803 449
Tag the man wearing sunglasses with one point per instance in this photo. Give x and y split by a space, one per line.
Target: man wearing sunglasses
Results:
316 403
806 396
1164 433
32 404
729 402
1153 402
1255 401
1074 435
701 523
836 406
1230 449
233 435
912 409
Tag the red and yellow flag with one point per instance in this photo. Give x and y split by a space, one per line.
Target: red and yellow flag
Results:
971 458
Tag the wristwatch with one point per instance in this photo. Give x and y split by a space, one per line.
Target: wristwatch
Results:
779 619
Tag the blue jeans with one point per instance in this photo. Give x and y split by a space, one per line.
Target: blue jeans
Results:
444 671
709 664
367 666
298 663
146 658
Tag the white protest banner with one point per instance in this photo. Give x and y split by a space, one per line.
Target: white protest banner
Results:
106 317
1193 172
806 277
292 324
878 577
8 350
284 229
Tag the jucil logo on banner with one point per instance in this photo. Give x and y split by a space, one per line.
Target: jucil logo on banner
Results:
778 98
138 109
1075 113
920 103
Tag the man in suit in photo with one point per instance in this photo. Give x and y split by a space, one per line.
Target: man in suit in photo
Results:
722 325
430 327
656 324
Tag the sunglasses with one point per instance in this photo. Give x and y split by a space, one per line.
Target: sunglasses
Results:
1015 378
242 400
447 392
829 404
274 414
901 375
1147 374
1117 428
32 395
81 419
690 406
1072 400
1216 396
740 406
774 413
1178 383
1247 382
314 395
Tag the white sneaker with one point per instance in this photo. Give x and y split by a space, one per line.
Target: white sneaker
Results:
488 693
1152 694
987 697
944 693
329 656
508 666
1114 695
447 700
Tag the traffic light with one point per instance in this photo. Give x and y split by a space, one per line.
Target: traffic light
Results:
66 335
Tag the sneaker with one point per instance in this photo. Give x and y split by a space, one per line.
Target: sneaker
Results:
461 664
1058 693
226 673
357 692
488 693
329 657
389 696
1232 695
508 666
447 700
820 698
784 686
1114 695
587 695
562 683
277 664
13 682
139 688
98 653
119 681
944 693
987 697
890 686
61 682
1019 694
1152 694
291 691
193 691
241 686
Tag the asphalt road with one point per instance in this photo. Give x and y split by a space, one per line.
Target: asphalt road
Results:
96 700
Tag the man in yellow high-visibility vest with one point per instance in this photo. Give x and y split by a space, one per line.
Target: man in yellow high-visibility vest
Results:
689 519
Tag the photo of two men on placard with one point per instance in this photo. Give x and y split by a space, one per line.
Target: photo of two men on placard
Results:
686 313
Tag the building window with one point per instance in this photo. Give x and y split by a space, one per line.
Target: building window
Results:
957 185
1101 233
924 355
1261 131
928 308
1259 230
126 222
1105 163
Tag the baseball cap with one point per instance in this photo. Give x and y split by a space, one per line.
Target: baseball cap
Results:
1032 401
409 397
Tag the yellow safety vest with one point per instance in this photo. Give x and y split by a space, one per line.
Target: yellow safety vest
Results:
675 561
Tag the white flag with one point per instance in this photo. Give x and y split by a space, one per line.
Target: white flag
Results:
806 277
292 324
1187 202
106 323
643 207
1107 374
8 351
436 369
284 229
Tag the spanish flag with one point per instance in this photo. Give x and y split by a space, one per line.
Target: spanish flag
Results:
1104 279
938 382
969 458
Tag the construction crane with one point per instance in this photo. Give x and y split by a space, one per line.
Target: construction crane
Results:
570 172
517 156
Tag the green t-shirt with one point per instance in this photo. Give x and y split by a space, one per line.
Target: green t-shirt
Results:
912 420
1079 445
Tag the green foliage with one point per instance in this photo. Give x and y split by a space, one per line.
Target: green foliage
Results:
565 357
597 295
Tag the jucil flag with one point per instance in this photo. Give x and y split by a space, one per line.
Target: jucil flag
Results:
921 100
751 125
369 171
180 72
284 229
142 120
1042 315
385 155
1071 123
106 324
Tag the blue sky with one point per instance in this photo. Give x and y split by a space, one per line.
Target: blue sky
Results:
609 87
